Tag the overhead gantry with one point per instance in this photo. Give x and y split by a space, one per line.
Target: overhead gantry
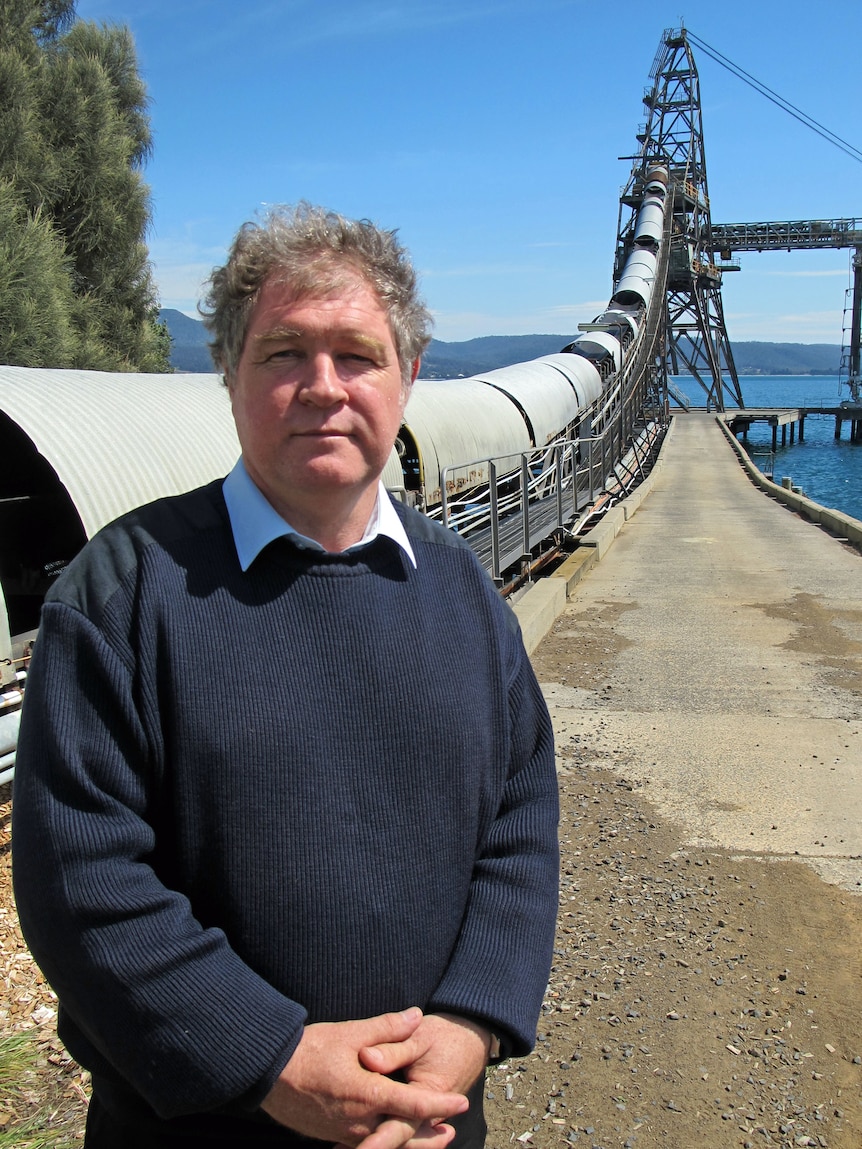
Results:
809 235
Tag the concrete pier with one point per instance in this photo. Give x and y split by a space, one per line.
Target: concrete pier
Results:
734 688
777 418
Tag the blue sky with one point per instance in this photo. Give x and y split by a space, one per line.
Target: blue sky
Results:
489 133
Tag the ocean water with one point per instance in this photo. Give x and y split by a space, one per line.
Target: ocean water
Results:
828 471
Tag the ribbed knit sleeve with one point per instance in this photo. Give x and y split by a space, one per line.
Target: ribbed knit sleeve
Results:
151 994
499 969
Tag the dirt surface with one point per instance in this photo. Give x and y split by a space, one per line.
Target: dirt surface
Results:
45 1102
698 997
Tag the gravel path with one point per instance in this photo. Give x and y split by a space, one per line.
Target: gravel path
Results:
696 999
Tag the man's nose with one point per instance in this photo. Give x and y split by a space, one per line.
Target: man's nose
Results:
322 385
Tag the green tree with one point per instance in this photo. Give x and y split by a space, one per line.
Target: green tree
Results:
37 303
74 134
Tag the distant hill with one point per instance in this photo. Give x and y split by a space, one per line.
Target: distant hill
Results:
190 349
189 341
451 360
787 358
190 352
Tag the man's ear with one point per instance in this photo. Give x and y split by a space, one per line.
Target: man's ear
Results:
416 365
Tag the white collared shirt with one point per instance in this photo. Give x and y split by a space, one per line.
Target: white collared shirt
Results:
255 522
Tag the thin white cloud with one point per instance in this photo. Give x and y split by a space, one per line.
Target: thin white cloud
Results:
591 307
801 327
307 22
455 326
809 318
554 243
475 269
181 269
732 317
807 274
181 286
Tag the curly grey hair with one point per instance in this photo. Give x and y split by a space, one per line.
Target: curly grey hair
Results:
313 250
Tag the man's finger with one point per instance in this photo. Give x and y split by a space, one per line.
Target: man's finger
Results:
390 1056
387 1028
413 1103
395 1134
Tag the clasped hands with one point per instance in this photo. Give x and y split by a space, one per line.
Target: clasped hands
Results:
337 1085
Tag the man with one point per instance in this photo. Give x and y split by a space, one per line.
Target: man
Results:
310 901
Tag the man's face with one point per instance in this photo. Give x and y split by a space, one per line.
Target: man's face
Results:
317 397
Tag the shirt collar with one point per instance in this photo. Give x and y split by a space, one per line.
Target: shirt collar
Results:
255 522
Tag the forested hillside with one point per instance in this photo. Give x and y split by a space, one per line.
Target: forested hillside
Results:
452 360
787 358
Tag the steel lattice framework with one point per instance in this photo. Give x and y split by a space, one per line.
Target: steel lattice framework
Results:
695 337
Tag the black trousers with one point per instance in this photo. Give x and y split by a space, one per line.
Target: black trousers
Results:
109 1129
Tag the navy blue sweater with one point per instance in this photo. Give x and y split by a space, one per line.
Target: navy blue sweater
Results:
318 790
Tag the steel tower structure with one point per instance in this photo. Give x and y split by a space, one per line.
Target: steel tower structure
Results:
695 337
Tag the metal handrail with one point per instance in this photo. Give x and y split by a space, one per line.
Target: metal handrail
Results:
566 473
